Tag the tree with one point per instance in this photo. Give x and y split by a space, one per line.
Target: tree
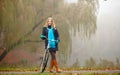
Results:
105 64
76 64
117 63
90 63
22 21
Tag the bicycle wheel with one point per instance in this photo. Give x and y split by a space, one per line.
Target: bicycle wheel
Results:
44 61
41 63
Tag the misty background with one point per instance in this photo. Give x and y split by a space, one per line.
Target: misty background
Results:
105 43
89 32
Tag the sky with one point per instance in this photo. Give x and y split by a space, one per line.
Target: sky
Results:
71 1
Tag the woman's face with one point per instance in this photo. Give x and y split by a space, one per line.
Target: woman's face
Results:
50 22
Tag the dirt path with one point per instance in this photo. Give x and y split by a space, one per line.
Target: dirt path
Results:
72 72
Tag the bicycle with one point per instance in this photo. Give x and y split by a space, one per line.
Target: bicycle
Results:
45 58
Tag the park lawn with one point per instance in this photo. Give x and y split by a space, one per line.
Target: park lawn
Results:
36 70
64 74
18 69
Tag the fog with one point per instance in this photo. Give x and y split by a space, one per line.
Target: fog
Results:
105 43
89 32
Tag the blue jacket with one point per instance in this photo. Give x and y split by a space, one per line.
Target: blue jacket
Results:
56 37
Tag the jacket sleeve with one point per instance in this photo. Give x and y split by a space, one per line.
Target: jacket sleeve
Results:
43 35
57 35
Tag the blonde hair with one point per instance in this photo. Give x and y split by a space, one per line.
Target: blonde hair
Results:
53 23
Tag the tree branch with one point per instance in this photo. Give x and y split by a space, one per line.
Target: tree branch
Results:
20 40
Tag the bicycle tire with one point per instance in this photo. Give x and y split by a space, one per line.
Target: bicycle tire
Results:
44 62
41 63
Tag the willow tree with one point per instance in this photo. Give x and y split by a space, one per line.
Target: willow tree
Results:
19 19
22 21
75 18
82 16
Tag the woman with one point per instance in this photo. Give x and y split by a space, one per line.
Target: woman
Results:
49 33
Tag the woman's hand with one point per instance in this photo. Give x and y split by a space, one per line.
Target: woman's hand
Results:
57 41
42 36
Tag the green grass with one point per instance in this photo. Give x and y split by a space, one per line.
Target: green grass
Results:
18 69
64 74
36 71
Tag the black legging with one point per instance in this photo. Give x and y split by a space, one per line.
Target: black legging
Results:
53 55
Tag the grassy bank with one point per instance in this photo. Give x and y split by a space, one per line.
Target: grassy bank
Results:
63 68
62 74
69 71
